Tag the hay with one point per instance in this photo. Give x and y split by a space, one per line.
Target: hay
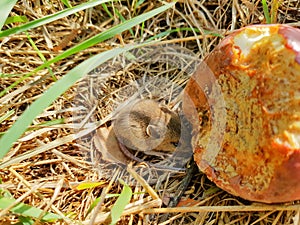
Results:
46 165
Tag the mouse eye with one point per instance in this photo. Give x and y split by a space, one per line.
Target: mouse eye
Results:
175 144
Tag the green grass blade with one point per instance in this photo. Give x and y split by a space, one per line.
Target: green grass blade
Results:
5 8
7 115
107 11
51 122
120 204
138 3
4 75
93 205
121 17
16 19
266 11
88 185
67 3
27 210
94 40
50 18
274 10
25 221
39 54
20 126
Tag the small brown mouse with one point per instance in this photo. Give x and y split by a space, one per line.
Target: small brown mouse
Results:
147 126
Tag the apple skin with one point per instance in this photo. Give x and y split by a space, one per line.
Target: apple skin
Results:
244 106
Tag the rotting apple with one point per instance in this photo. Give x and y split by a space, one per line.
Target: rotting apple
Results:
244 106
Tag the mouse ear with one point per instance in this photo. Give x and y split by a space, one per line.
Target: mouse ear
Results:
153 131
165 109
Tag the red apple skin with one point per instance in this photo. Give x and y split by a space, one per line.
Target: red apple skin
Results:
244 106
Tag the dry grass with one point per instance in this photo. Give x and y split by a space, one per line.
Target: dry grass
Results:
60 161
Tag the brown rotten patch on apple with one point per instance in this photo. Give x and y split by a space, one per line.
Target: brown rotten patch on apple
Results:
244 105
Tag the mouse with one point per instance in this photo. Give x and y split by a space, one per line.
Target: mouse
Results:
147 126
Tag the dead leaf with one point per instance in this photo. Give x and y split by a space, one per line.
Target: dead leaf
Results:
106 143
187 202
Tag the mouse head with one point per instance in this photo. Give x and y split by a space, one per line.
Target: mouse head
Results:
147 126
167 131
